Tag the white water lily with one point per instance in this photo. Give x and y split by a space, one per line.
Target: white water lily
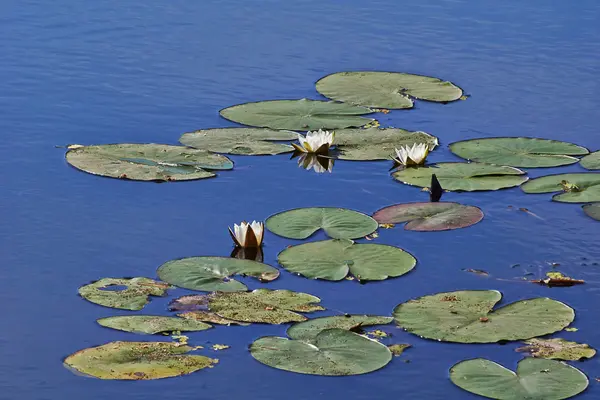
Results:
414 155
317 142
247 235
319 164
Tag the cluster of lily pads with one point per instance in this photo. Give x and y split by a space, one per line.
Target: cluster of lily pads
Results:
338 345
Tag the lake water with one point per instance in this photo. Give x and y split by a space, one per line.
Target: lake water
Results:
147 71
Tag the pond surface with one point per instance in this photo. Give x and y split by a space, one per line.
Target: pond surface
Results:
147 71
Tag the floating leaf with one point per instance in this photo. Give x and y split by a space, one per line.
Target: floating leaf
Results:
244 141
261 305
386 89
206 316
556 279
333 352
536 379
301 115
571 329
557 349
592 210
134 295
591 161
308 330
334 259
430 216
519 151
217 347
137 360
214 273
376 143
576 188
147 162
152 324
467 317
398 349
338 223
463 176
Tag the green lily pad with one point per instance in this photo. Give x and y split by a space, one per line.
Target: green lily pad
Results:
259 306
468 317
300 115
333 352
376 143
426 217
338 223
214 273
577 188
536 379
591 161
519 151
386 89
137 360
151 324
592 210
243 141
308 330
466 177
333 260
134 295
207 316
147 162
558 349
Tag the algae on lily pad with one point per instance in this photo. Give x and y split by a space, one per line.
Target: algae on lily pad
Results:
519 151
137 360
299 115
259 306
591 161
468 316
338 223
334 259
535 379
214 273
308 330
427 217
133 296
557 349
577 188
377 143
592 210
147 162
332 352
151 324
463 176
243 141
386 89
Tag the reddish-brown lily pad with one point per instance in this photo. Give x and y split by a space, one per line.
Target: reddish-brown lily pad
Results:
426 217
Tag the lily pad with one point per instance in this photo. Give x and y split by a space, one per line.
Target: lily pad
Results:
151 324
214 273
386 89
376 143
137 360
592 210
468 317
428 217
558 349
591 161
333 260
536 379
134 295
308 330
338 223
243 141
576 188
207 316
333 352
466 177
300 115
519 151
147 162
260 306
398 349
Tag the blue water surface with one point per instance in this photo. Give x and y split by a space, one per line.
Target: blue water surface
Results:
94 72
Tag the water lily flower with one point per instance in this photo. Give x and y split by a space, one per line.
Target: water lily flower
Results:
317 142
318 163
247 235
414 155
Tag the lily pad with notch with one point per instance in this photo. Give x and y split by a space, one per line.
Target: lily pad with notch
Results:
152 324
308 330
429 217
591 161
576 188
241 141
133 293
